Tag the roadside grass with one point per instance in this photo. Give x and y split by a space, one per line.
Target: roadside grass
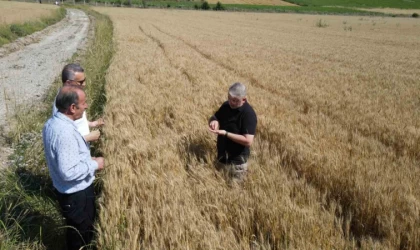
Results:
11 32
240 7
30 217
360 3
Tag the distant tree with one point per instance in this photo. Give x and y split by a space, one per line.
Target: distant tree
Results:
219 6
205 5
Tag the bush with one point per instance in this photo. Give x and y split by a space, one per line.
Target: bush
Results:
19 29
6 35
219 6
415 15
196 7
205 5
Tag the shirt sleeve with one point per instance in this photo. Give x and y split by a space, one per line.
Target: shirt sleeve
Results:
249 123
72 164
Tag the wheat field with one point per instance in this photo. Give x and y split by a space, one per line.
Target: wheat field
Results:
335 162
18 12
393 11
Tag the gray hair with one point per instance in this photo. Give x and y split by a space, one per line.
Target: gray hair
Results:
67 96
69 71
237 90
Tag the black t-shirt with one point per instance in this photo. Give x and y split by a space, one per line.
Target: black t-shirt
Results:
242 120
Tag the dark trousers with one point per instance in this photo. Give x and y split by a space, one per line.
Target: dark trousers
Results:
80 212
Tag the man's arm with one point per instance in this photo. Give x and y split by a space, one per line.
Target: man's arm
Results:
92 136
245 140
100 161
71 165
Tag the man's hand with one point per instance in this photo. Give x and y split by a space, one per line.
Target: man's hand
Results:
100 161
214 125
93 136
218 132
97 123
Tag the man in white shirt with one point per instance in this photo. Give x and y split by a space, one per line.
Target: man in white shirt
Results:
74 74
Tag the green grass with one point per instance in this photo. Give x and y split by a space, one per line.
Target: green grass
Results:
29 214
400 4
293 9
244 7
9 33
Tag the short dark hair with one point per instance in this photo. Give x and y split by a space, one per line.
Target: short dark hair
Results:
69 71
66 97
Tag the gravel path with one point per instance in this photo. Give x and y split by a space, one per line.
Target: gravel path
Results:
30 65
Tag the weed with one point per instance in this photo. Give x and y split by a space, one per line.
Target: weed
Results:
321 23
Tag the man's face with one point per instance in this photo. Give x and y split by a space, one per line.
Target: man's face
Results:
79 80
236 102
81 107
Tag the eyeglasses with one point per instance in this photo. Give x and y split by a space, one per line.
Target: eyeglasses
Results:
81 82
234 99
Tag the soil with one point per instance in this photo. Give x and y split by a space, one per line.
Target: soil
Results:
31 64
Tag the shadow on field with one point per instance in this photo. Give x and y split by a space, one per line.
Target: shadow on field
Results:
196 148
29 210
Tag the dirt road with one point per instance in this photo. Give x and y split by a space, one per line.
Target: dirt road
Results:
30 65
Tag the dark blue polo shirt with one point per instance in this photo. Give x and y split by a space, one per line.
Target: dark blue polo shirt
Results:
242 120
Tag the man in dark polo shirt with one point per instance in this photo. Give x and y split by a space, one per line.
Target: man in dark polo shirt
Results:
234 124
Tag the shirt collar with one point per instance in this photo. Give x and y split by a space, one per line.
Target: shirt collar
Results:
63 117
241 108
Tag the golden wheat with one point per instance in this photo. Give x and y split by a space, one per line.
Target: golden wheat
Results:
392 10
336 160
17 12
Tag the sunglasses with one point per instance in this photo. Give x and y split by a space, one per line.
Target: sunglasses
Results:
81 82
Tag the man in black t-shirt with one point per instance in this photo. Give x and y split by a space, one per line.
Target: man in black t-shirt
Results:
234 124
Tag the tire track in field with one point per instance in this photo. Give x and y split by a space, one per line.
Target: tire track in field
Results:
396 146
359 226
289 159
249 76
173 65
